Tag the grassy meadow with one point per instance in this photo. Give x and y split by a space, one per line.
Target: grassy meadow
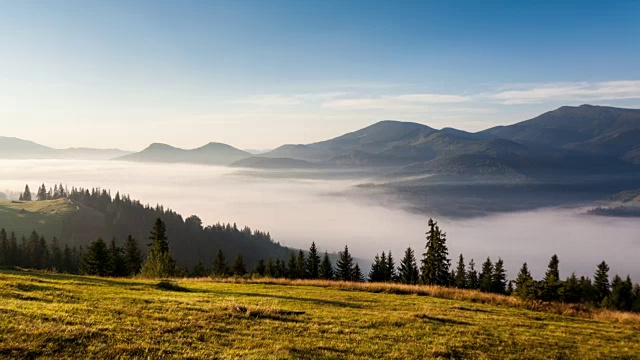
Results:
23 217
62 316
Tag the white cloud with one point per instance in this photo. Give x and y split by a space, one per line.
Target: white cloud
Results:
287 100
570 92
396 102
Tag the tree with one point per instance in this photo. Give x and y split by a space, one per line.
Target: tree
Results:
408 270
551 283
313 262
357 275
301 265
375 274
390 271
621 296
199 270
486 276
96 261
56 255
499 278
260 268
525 285
220 266
159 262
326 268
435 264
571 290
132 256
292 268
4 248
472 276
239 268
460 279
26 196
344 266
270 269
42 193
601 282
117 261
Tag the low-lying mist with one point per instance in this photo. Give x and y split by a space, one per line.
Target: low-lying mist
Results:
298 211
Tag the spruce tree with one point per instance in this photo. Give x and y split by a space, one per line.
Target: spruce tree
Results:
601 282
486 276
621 296
260 268
26 196
56 255
199 270
4 248
344 266
525 285
133 256
239 268
408 271
551 284
499 278
460 279
571 290
117 261
159 263
42 193
326 268
472 276
96 260
435 264
301 265
357 275
390 273
220 267
270 268
292 268
313 262
375 274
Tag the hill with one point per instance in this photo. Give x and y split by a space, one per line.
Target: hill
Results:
62 316
14 148
45 216
210 154
259 162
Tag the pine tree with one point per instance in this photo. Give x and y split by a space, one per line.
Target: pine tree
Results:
159 263
525 285
220 266
133 256
472 276
601 282
270 269
499 278
282 269
390 273
326 268
460 279
239 268
199 270
621 296
117 261
408 271
375 274
292 268
551 284
56 255
260 268
42 193
68 262
313 262
26 196
301 265
96 261
486 276
571 290
357 275
4 248
344 266
435 264
383 267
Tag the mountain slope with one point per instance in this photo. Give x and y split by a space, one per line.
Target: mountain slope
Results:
210 154
14 148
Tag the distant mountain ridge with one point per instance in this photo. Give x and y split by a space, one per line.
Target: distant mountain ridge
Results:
14 148
209 154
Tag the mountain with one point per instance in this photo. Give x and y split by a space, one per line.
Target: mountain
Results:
14 148
259 162
210 154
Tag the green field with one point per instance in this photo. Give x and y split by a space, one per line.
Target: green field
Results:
46 217
60 316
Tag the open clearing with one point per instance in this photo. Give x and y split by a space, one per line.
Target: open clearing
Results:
48 315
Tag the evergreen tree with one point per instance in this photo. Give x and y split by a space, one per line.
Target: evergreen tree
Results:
282 269
260 268
525 285
435 264
601 282
499 278
408 271
390 273
96 261
220 266
26 196
571 290
486 276
117 261
239 268
270 269
472 276
42 193
159 262
460 279
313 262
375 274
621 296
587 291
344 266
292 268
326 268
199 270
301 265
68 262
13 254
357 275
551 284
56 255
133 256
4 248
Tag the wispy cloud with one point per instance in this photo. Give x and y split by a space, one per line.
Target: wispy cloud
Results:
569 92
395 102
286 100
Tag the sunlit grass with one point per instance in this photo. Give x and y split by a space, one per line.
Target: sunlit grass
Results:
22 217
47 315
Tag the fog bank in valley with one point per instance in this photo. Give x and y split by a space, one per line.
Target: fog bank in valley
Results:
297 212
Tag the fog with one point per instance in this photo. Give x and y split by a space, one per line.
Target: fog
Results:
299 211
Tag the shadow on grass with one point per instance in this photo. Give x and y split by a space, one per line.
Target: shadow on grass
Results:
78 279
167 285
285 297
441 320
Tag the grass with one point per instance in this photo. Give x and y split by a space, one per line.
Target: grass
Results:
46 217
62 316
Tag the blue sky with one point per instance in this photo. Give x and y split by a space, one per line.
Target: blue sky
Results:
257 74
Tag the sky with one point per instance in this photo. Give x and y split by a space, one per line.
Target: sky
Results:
259 74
